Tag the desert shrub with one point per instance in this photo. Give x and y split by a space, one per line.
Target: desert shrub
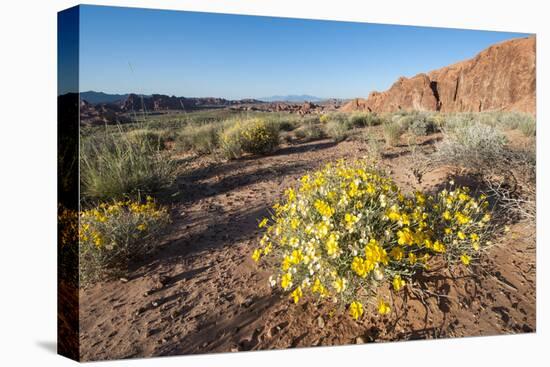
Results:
286 125
527 125
111 235
254 136
201 139
374 148
347 231
422 124
363 119
404 121
358 119
167 135
154 139
67 222
472 145
458 120
392 132
309 132
115 165
324 119
336 130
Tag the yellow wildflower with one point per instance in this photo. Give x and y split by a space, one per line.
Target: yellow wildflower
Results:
263 223
356 310
297 294
398 283
397 253
405 237
383 307
256 255
286 281
339 284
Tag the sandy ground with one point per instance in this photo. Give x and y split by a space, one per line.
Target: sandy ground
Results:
202 293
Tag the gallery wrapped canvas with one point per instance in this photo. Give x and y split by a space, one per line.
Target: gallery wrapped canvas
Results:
233 183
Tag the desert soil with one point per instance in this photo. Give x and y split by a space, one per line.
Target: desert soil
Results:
202 293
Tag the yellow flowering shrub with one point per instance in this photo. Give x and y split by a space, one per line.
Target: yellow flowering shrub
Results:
67 224
111 235
348 230
254 136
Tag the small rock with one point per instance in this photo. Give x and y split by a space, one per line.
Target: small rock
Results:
124 280
321 322
359 340
154 304
234 349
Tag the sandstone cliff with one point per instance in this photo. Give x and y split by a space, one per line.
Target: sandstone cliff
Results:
501 77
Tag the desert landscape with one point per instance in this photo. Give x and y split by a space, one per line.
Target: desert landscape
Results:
185 184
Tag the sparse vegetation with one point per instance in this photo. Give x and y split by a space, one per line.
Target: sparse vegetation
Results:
336 130
201 139
112 235
115 166
472 145
155 139
309 131
254 136
392 133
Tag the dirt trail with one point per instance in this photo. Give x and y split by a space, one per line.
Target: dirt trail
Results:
202 293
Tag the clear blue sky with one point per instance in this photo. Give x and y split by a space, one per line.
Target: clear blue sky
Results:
203 54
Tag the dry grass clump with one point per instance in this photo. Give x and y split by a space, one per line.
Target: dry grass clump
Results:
155 139
309 132
117 165
364 119
336 130
200 139
392 132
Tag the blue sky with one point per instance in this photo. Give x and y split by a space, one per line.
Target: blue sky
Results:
203 54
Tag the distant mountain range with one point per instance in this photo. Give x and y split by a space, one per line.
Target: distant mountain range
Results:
292 98
101 97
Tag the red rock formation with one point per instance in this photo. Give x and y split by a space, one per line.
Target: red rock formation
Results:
501 77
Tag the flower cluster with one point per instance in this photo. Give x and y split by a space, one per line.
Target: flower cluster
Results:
254 136
67 221
347 230
110 235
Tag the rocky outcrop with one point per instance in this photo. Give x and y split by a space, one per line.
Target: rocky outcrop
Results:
501 77
160 102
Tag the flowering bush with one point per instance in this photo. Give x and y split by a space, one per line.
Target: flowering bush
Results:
251 136
347 230
112 234
67 224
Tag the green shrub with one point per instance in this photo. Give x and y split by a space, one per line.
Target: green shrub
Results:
309 132
286 125
422 124
201 139
111 235
528 126
336 130
254 136
115 165
392 132
154 139
363 119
